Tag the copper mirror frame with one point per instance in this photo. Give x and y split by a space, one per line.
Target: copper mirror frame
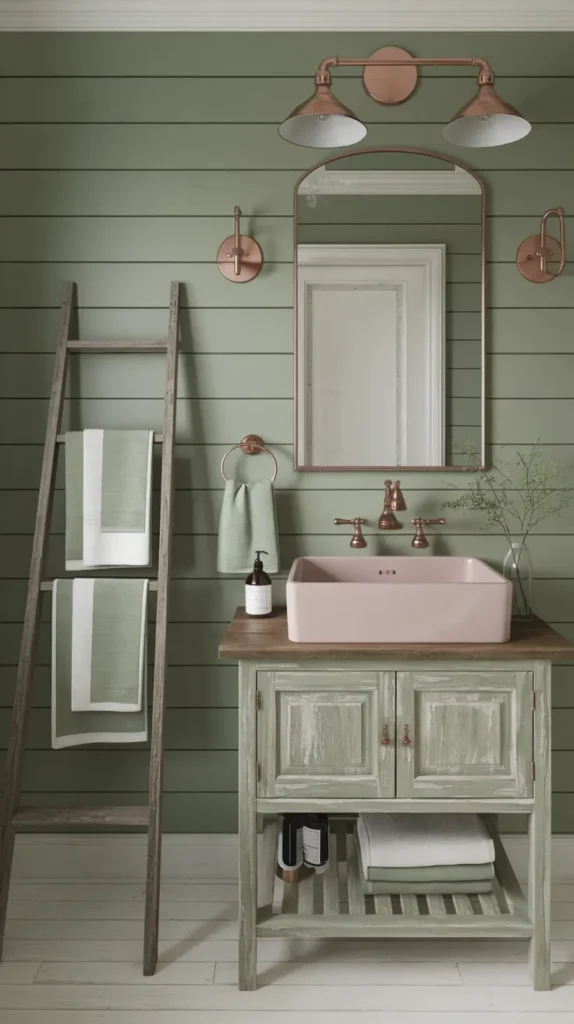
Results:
409 469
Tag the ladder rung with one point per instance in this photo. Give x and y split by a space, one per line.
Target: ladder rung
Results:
49 584
113 345
157 438
46 817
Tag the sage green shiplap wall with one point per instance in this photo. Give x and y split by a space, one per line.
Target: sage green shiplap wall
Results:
121 158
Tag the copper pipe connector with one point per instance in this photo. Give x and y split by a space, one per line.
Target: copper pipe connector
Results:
420 539
357 540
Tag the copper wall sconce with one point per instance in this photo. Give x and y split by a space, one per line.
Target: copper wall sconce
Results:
390 76
239 257
537 251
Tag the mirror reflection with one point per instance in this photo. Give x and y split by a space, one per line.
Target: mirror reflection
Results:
389 313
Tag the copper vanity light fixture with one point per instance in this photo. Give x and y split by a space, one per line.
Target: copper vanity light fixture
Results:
537 251
239 257
390 76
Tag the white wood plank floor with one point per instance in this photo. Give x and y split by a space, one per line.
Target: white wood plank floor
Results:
72 956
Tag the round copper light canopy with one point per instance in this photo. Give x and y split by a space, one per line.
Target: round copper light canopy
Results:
390 85
529 262
322 122
250 263
486 121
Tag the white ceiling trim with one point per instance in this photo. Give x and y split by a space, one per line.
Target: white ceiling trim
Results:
286 15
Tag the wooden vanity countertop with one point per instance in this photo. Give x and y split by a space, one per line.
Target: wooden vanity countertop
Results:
248 638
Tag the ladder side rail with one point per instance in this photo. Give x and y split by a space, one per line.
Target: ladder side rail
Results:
151 929
30 631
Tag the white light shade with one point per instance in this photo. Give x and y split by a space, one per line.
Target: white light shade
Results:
322 122
486 130
486 121
322 131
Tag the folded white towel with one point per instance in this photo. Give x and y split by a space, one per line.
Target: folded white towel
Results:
423 840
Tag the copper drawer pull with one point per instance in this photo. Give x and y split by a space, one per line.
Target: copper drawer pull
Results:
385 738
407 741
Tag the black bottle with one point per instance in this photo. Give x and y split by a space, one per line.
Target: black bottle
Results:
316 840
290 852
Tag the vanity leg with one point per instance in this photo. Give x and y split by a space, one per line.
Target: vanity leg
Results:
539 835
247 827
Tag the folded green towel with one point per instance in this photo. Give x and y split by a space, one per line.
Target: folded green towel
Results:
425 888
434 873
97 663
247 523
108 498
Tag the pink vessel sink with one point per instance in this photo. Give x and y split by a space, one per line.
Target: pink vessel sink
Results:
397 600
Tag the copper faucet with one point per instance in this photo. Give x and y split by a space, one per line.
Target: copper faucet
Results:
394 502
420 539
357 540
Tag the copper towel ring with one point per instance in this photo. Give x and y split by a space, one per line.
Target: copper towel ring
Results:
251 445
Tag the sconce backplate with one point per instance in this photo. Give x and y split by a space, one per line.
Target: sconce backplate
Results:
528 258
390 85
251 259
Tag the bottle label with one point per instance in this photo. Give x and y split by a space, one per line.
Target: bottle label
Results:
258 600
312 845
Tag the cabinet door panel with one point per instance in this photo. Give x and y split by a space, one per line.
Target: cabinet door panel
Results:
320 733
470 734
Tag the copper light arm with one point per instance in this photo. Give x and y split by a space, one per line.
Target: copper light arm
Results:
237 250
537 251
486 72
559 213
239 257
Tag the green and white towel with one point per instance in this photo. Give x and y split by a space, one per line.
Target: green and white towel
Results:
247 523
108 498
434 873
426 888
99 661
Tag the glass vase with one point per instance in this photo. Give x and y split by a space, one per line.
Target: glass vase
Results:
517 568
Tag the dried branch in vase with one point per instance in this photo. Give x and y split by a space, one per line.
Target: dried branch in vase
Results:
514 497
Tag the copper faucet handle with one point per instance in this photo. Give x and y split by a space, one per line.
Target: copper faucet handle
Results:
357 540
420 539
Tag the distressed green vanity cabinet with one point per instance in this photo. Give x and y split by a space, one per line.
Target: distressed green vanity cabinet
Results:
347 728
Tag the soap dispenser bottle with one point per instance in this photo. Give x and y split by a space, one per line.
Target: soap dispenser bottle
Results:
258 599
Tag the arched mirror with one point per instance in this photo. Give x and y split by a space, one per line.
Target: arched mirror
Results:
389 313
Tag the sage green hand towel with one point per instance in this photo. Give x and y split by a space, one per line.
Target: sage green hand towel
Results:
434 873
72 728
425 888
247 523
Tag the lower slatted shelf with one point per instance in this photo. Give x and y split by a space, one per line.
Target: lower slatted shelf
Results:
333 905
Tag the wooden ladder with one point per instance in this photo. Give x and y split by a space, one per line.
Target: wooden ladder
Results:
12 816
